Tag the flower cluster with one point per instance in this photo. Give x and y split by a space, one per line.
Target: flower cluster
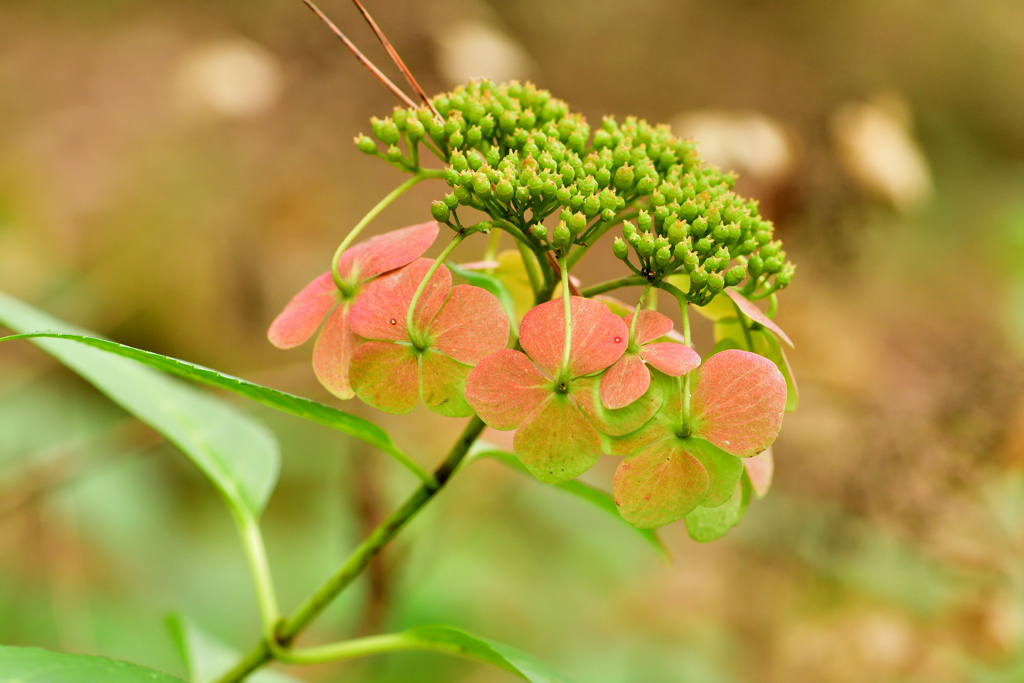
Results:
583 379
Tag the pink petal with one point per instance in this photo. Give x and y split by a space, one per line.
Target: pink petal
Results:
738 402
555 442
755 314
599 337
649 325
624 382
443 384
505 388
333 352
304 313
659 485
470 326
380 311
760 470
671 358
386 376
386 252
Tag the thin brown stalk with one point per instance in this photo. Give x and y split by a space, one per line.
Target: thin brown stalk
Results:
396 59
361 57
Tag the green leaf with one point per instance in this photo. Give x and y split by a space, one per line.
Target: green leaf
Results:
206 658
458 642
313 411
32 665
596 497
492 285
707 524
239 455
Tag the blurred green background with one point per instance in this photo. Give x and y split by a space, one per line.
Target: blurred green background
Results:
172 172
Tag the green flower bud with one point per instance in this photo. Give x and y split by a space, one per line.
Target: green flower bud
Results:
450 200
440 211
539 231
698 276
577 201
663 256
771 249
535 184
755 266
735 275
365 144
507 121
699 226
504 190
458 161
711 263
677 232
657 199
400 116
588 185
620 249
528 119
603 138
721 232
577 222
704 245
456 139
643 220
523 193
549 188
624 177
716 282
563 237
592 206
415 129
660 241
688 210
493 157
436 129
451 126
603 177
772 264
646 185
463 194
608 199
475 159
646 246
723 254
763 237
563 194
785 276
481 185
607 215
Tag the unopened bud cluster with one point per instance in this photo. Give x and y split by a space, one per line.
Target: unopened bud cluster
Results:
520 155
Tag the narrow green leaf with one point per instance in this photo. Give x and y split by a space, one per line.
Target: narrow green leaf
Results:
458 642
357 427
492 285
598 498
32 665
206 658
239 455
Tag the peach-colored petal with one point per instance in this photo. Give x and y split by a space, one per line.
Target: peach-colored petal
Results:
386 252
380 311
470 326
755 314
599 337
304 313
738 402
505 387
443 384
659 485
649 325
760 470
624 382
671 358
333 352
386 376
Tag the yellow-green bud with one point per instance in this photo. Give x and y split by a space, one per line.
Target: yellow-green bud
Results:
716 282
365 144
735 275
440 211
620 249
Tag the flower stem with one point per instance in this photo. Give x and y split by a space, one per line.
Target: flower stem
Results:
566 298
684 313
636 314
410 316
628 281
421 175
256 554
357 560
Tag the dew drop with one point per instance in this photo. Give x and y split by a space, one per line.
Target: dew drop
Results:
394 322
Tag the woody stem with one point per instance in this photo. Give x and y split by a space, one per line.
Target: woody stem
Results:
409 317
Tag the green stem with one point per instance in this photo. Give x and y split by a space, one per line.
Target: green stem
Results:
423 174
743 324
684 313
636 314
566 298
532 269
256 554
414 334
492 248
628 281
358 559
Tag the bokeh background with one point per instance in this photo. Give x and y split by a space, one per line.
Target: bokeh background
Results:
172 172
